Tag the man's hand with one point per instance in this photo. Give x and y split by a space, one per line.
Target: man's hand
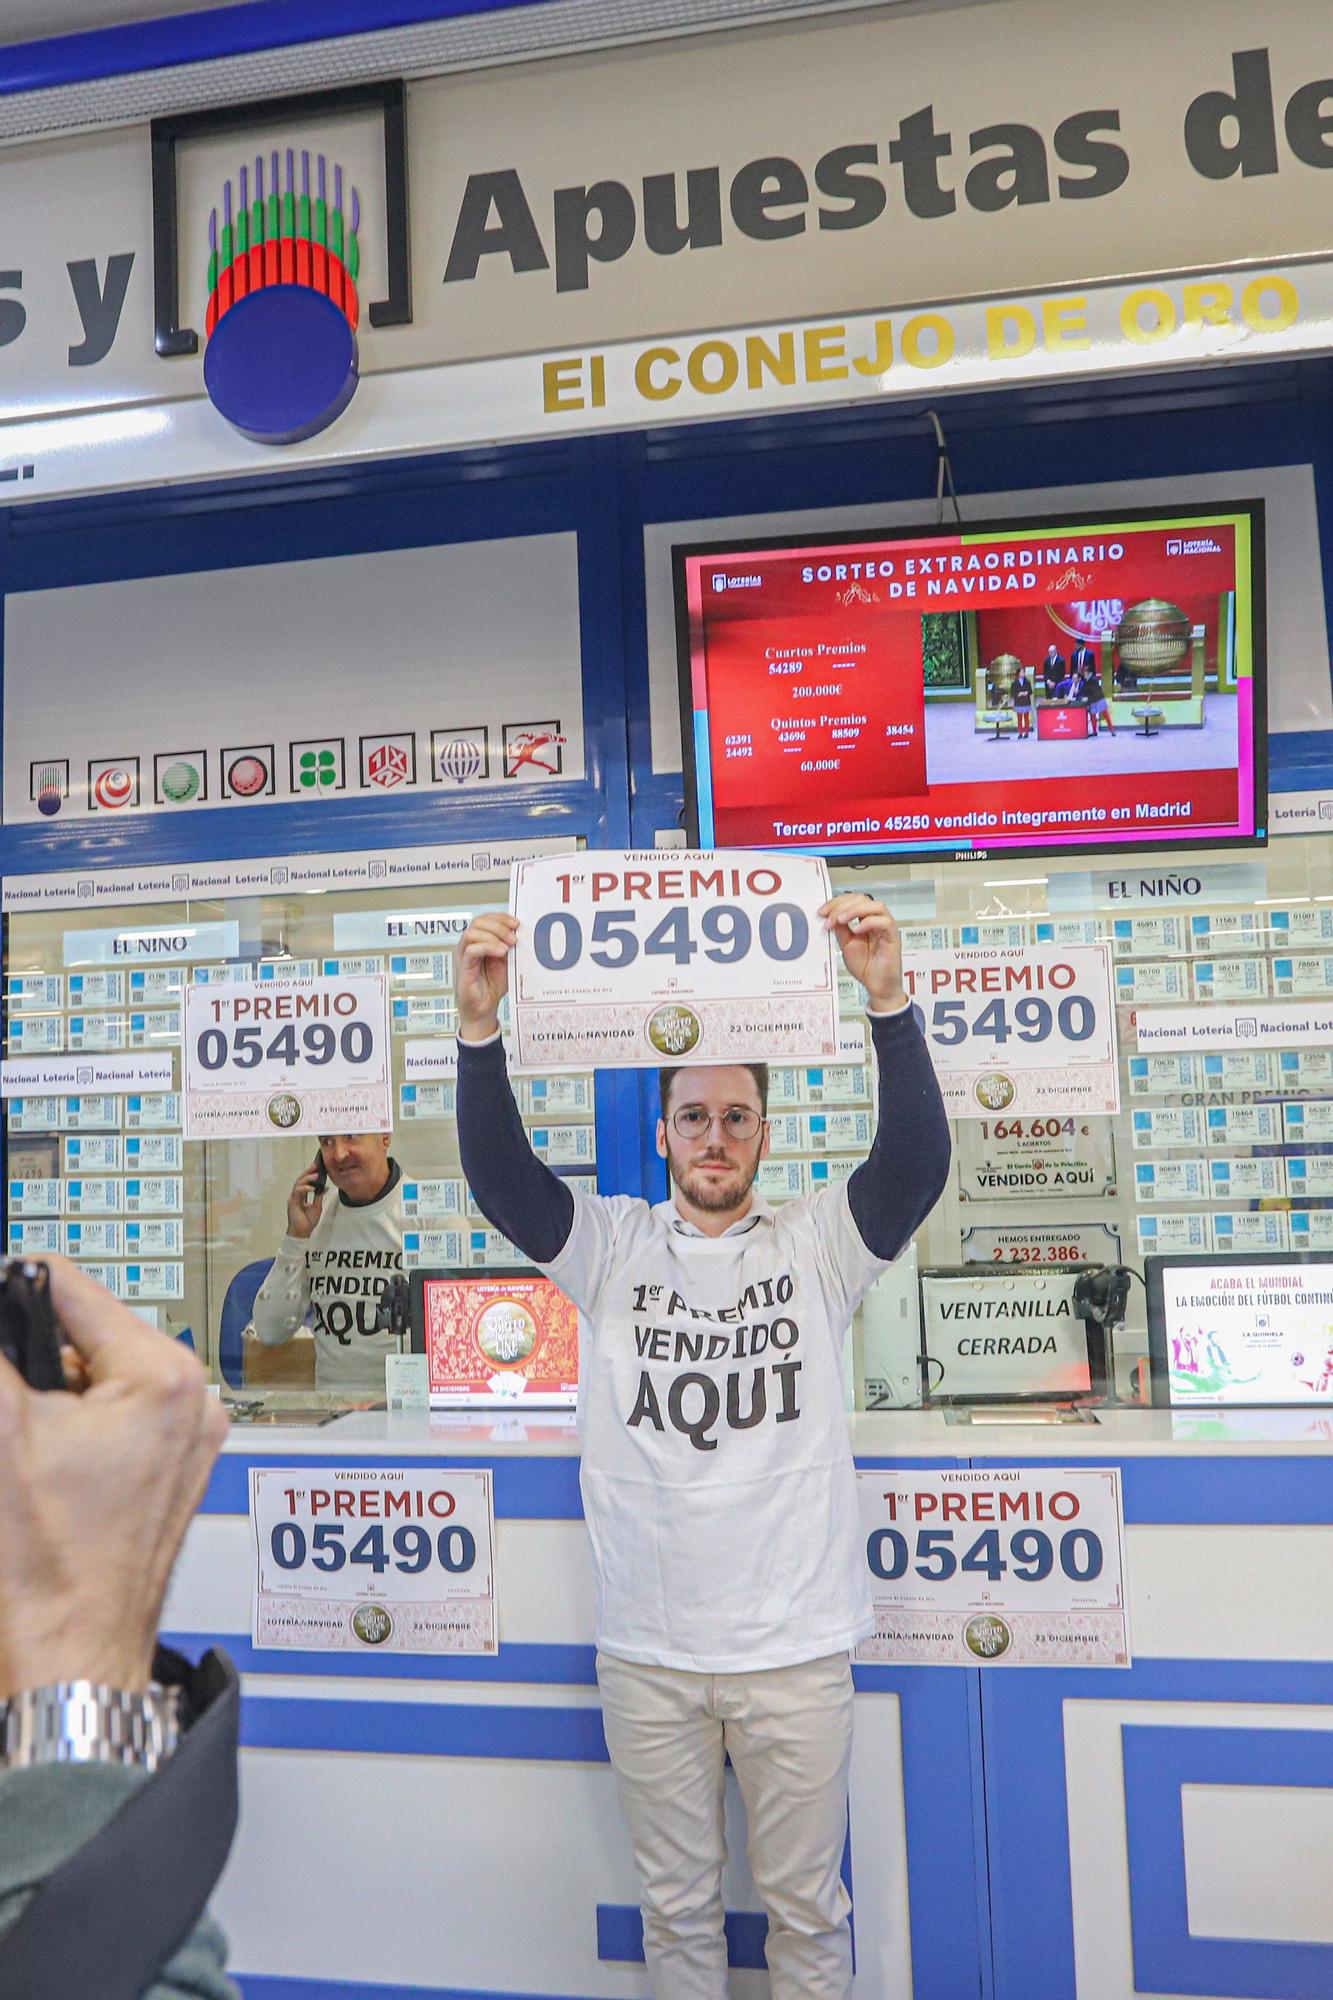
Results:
481 973
96 1492
304 1205
871 948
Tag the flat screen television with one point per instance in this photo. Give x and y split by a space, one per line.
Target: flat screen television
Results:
1240 1329
949 692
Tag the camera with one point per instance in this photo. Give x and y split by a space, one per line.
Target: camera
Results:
29 1331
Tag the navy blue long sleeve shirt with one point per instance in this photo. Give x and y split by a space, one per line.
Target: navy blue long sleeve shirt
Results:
891 1193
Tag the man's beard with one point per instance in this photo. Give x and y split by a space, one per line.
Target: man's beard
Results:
714 1196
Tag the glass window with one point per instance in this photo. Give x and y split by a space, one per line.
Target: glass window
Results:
185 1228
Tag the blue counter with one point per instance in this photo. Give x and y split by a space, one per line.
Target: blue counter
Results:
420 1827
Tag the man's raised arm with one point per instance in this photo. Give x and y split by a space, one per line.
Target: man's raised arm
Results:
893 1191
516 1193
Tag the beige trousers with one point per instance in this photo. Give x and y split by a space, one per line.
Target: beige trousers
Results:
788 1733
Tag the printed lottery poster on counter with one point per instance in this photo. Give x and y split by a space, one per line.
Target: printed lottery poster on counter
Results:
1012 1566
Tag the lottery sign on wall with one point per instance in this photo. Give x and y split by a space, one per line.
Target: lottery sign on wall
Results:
1013 1159
1025 1032
373 1560
1016 1566
1053 1243
639 959
261 1061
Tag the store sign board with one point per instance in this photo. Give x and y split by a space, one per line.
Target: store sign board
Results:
264 875
76 1075
1015 1566
1261 1024
373 1559
1157 888
1020 1034
640 959
593 223
157 944
1056 1243
686 376
287 1056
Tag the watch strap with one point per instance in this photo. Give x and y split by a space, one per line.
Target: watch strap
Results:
80 1722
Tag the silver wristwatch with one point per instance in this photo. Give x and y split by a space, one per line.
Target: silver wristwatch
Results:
78 1722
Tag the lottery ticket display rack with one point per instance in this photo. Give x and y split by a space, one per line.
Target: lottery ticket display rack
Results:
1212 1149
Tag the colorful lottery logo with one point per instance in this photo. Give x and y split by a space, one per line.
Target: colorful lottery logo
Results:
284 1111
316 769
48 786
533 750
995 1092
372 1624
113 785
506 1332
460 759
179 782
247 772
674 1029
987 1637
281 358
389 761
387 765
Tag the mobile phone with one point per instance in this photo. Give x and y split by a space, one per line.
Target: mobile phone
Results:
321 1173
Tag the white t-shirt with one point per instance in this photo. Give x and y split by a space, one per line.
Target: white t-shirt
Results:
338 1273
717 1473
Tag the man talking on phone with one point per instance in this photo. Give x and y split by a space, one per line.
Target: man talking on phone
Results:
717 1475
344 1244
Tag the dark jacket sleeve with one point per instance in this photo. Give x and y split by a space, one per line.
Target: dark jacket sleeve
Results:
893 1191
105 1872
515 1192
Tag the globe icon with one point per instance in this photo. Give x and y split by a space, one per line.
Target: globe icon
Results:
460 759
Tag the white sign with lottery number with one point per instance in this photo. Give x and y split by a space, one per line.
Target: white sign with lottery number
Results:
639 959
1024 1032
288 1056
364 1559
1016 1566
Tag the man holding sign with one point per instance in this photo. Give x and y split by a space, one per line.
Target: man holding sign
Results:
717 1474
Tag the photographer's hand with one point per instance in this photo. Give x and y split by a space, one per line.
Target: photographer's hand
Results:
96 1493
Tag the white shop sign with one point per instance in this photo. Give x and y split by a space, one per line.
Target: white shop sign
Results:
1300 812
1264 1024
1159 888
260 875
61 1076
169 942
1014 1566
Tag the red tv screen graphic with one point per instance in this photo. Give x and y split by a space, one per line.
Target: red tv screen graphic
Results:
1095 680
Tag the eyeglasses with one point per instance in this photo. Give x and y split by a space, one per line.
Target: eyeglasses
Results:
738 1121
